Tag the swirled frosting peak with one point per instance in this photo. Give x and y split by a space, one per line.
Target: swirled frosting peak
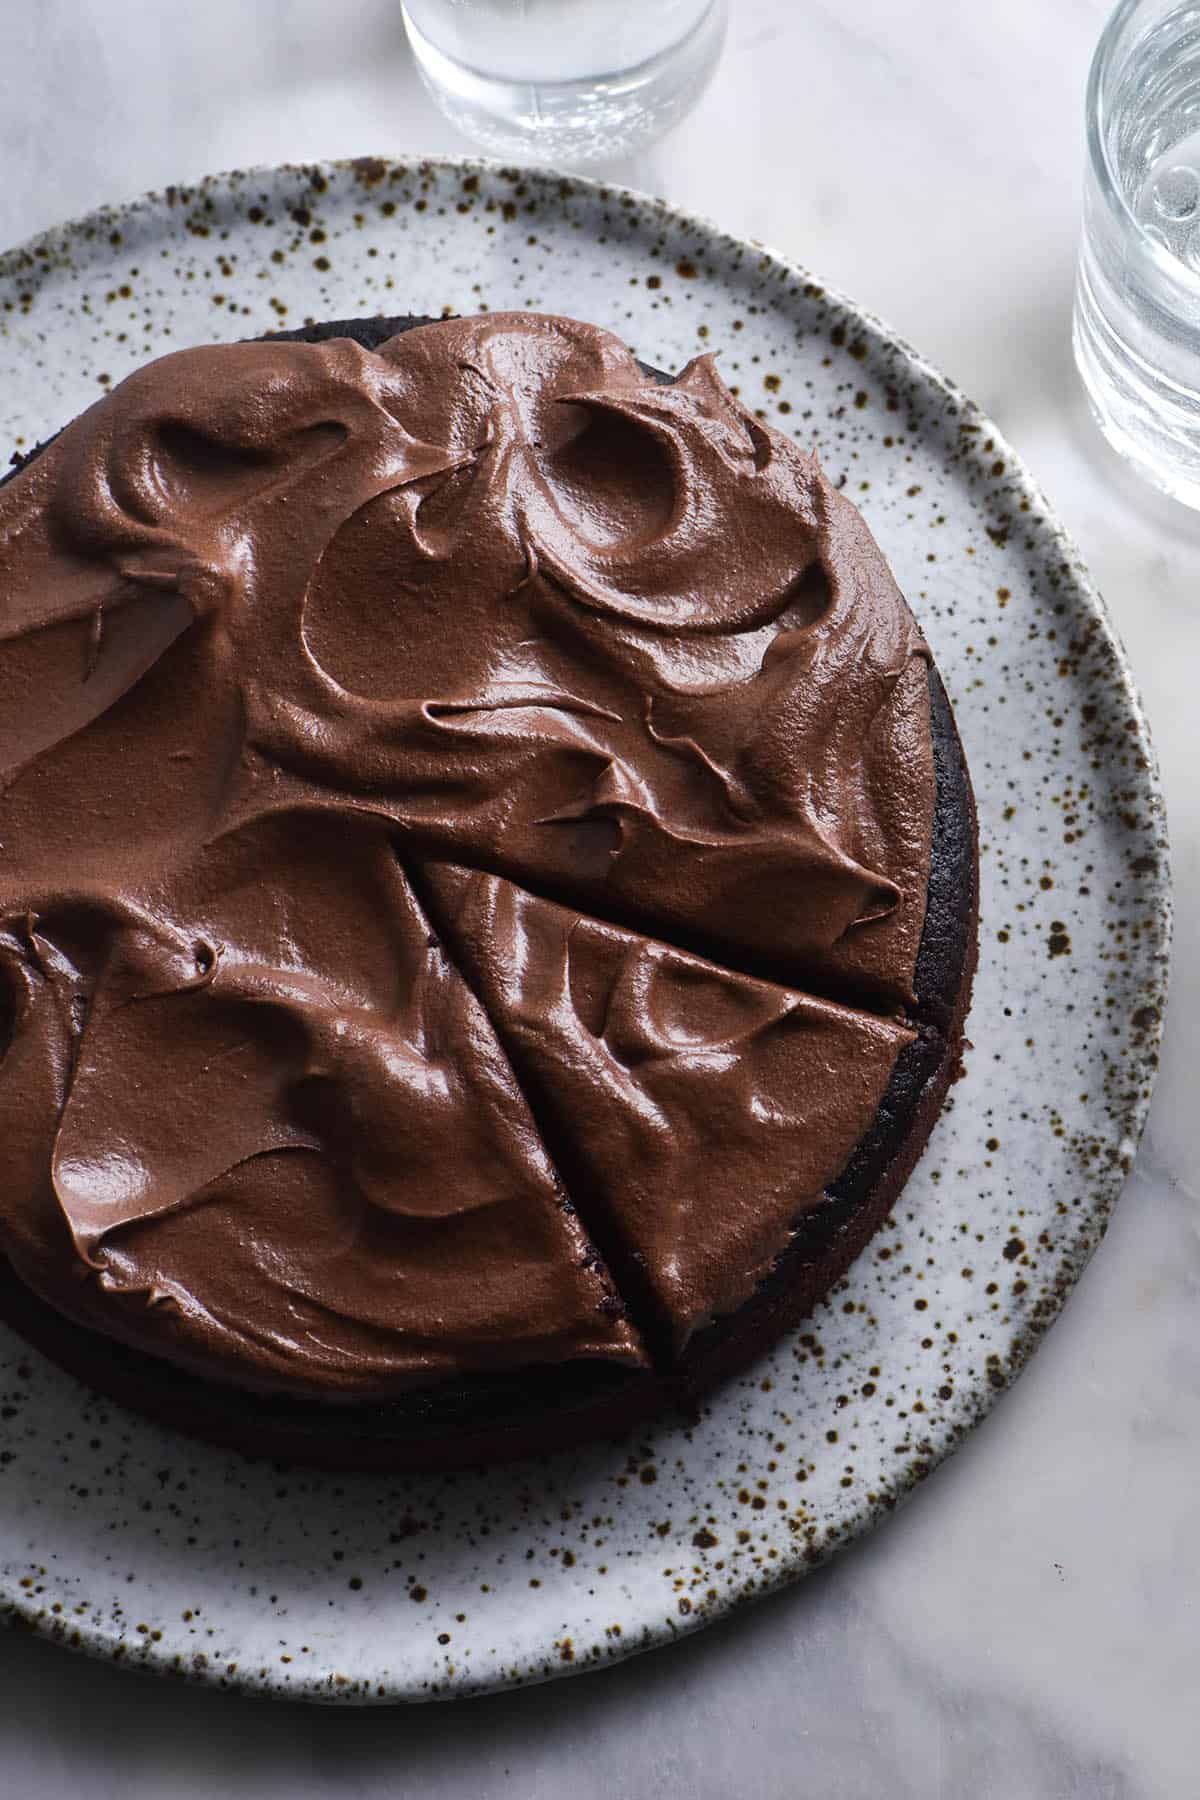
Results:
465 819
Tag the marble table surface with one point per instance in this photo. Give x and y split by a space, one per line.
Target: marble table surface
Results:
1029 1627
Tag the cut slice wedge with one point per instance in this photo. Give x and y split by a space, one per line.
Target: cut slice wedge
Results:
695 1113
351 1134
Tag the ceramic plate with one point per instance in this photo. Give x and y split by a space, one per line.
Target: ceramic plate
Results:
123 1539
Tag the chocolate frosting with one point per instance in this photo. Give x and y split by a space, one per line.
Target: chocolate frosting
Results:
370 719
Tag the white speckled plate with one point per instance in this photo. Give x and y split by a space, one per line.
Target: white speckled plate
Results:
134 1543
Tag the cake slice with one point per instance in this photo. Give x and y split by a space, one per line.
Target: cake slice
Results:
276 1140
697 1113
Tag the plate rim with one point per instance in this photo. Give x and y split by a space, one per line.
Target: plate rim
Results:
20 1608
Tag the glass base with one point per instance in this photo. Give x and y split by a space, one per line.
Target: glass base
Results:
573 121
1149 420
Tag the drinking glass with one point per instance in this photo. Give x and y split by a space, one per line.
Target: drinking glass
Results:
565 80
1137 302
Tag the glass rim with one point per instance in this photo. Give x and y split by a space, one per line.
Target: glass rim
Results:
1171 267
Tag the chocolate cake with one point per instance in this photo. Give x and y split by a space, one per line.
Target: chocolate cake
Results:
487 890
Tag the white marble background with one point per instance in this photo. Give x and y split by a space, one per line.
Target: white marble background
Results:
1029 1628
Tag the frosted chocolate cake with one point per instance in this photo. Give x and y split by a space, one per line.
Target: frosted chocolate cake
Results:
487 889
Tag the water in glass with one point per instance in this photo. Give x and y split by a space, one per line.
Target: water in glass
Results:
565 80
1137 312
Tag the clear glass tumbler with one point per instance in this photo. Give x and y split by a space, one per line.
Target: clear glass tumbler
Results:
565 81
1137 302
